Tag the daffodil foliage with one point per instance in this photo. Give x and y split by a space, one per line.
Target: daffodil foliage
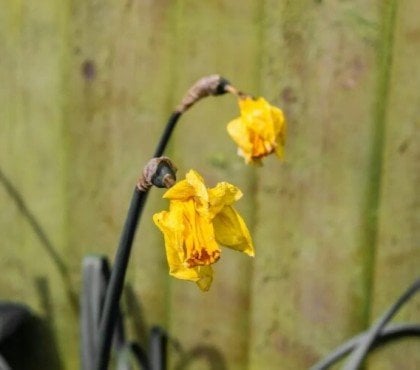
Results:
259 131
198 222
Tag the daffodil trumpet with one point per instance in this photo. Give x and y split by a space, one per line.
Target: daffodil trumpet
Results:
260 129
198 222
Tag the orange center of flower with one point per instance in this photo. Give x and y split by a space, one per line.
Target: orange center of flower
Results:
202 258
200 247
260 147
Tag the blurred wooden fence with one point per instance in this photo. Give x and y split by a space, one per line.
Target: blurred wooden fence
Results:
85 89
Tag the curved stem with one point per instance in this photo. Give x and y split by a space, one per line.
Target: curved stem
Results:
166 135
114 290
113 293
389 333
367 341
210 85
157 349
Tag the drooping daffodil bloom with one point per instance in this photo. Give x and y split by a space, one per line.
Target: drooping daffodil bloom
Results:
199 220
259 131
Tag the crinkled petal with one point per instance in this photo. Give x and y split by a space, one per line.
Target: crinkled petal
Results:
197 182
197 221
278 120
223 194
182 190
260 147
259 131
239 132
205 274
177 256
280 130
200 244
231 231
173 230
256 113
192 186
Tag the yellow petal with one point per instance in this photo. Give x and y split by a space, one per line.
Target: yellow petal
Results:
239 132
231 231
197 182
277 117
257 116
259 131
223 194
280 130
205 274
198 219
192 186
184 236
182 190
200 191
173 234
199 241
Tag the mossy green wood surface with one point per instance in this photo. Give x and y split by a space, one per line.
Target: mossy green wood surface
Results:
310 281
86 89
33 175
222 37
397 254
118 87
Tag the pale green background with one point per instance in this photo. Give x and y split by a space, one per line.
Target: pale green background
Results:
85 89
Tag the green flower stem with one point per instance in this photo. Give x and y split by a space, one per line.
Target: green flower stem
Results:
389 333
166 135
210 85
368 340
116 282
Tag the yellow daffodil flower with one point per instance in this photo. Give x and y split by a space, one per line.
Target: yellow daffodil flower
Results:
198 220
259 131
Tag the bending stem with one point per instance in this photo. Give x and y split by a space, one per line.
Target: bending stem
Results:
116 283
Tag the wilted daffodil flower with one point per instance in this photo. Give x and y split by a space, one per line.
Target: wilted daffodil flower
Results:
199 220
259 131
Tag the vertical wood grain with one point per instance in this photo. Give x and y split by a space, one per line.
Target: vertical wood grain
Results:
398 250
32 166
116 111
219 37
86 88
309 286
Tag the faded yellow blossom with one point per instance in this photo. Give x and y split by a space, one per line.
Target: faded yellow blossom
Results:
259 131
199 220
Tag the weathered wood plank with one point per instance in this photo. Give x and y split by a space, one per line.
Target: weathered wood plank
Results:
309 287
214 37
86 88
117 96
32 177
397 257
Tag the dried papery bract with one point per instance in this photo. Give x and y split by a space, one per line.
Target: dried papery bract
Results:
233 90
261 128
206 86
159 172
